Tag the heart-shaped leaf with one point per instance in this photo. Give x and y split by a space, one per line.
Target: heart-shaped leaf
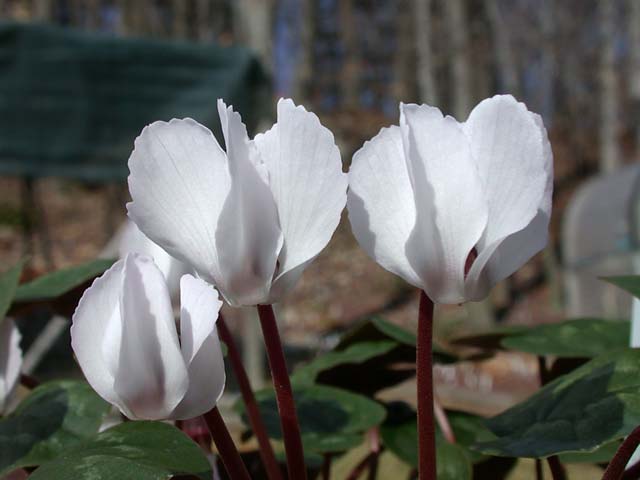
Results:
372 356
331 419
132 450
8 286
53 418
580 338
630 283
55 284
355 354
576 338
377 328
595 404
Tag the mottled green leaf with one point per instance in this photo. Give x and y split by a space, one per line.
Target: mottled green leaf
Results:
8 286
53 418
583 337
630 283
595 404
355 354
130 451
55 284
331 419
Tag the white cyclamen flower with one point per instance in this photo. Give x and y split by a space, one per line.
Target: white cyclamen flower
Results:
126 342
10 361
427 196
132 240
251 219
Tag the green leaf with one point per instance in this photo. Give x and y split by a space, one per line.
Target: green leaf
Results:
576 338
374 355
395 332
630 283
355 354
452 461
8 285
604 454
583 337
595 404
490 340
54 417
331 419
377 328
130 451
55 284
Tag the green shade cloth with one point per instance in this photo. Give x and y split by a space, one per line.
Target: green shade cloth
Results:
72 103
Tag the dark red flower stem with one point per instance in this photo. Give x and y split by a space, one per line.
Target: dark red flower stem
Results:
424 373
616 466
326 466
632 473
284 394
251 405
557 470
231 459
539 469
28 381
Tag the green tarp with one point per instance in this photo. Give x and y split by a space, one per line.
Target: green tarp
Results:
71 103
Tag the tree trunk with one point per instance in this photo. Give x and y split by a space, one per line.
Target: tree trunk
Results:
609 108
42 10
180 19
633 15
426 78
460 68
304 64
349 76
203 15
252 25
507 67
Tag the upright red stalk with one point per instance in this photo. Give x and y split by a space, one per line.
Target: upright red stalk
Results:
632 473
257 425
224 443
284 394
616 466
557 470
424 372
539 469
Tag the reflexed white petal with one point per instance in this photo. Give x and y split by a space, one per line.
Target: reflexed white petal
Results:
450 204
99 308
201 351
515 162
132 240
381 204
151 378
248 234
179 182
306 178
10 360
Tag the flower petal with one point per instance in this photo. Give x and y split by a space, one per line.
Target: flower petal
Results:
381 204
515 163
450 203
99 308
152 377
248 234
306 178
200 345
132 240
10 360
179 182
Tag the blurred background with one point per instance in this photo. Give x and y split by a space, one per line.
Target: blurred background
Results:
79 79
